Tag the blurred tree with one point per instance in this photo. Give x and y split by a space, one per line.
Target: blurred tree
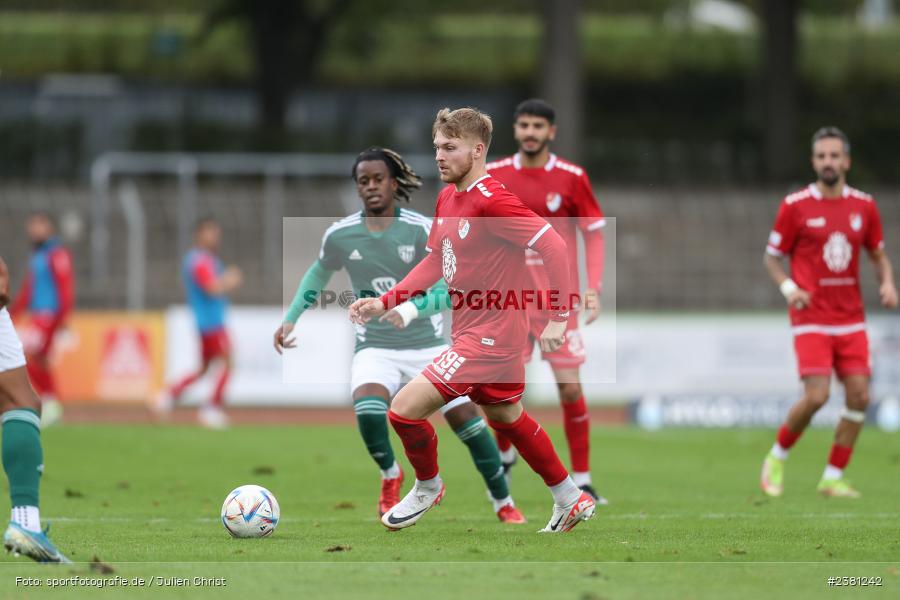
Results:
562 80
287 37
779 86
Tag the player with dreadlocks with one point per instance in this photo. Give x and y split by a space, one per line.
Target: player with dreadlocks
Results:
378 246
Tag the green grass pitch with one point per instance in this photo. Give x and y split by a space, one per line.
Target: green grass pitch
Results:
686 519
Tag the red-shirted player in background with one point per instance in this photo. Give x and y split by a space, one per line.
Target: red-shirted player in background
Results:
476 244
560 192
47 296
823 227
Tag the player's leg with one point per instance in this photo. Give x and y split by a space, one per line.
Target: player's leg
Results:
213 415
22 453
374 378
576 424
38 365
409 413
815 362
508 454
466 422
570 504
165 401
852 365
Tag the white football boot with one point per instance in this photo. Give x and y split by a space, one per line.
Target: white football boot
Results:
565 518
409 510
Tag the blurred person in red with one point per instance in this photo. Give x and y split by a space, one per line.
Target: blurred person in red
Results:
823 228
47 297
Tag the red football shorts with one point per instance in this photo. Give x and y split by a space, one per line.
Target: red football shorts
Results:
570 355
37 339
467 370
820 354
214 344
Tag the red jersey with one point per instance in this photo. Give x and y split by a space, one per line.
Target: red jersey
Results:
823 237
560 192
476 244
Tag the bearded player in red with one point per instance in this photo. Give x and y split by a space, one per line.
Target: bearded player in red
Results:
560 192
476 244
823 227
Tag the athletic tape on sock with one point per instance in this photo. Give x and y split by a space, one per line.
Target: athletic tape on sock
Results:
857 416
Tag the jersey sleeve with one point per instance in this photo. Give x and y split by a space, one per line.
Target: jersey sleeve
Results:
875 232
329 257
511 220
590 214
203 272
784 233
63 276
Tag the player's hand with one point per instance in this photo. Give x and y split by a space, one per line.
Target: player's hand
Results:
888 292
4 284
364 309
283 339
799 299
553 336
232 278
591 303
393 317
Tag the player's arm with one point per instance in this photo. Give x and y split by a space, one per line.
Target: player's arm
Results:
311 285
204 273
884 271
515 222
591 223
4 284
419 279
432 302
64 278
781 243
23 298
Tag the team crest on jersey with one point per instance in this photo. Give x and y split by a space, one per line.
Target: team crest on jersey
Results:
407 253
554 201
381 285
449 259
837 252
856 221
463 228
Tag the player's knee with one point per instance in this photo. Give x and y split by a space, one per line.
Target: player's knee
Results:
460 415
569 392
816 398
858 399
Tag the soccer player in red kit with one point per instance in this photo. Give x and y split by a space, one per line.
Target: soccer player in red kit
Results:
560 192
823 227
48 296
476 244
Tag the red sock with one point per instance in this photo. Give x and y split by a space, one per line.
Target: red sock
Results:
535 446
787 438
840 456
577 425
218 398
420 442
503 442
178 389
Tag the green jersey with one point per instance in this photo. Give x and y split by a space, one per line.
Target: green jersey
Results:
376 261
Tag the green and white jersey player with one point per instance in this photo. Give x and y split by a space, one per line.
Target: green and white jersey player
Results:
378 246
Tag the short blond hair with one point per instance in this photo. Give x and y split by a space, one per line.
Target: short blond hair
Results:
464 122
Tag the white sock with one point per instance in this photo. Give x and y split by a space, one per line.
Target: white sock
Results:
508 456
392 473
581 478
29 517
430 485
832 472
779 452
498 504
565 492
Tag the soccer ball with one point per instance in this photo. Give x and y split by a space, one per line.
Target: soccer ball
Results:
250 511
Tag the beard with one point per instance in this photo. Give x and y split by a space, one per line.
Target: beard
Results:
829 177
538 150
455 176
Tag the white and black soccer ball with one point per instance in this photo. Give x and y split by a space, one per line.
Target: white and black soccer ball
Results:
250 511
